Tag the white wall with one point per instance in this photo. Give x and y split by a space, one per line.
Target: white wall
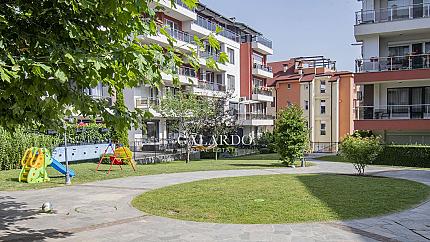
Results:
381 89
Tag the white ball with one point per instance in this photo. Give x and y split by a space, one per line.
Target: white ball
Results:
46 207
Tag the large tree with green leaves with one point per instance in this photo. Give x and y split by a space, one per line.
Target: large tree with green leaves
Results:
291 134
50 50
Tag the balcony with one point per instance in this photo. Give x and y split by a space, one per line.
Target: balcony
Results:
394 19
256 119
261 94
262 45
262 71
180 12
212 86
147 103
393 112
211 26
185 40
187 76
394 63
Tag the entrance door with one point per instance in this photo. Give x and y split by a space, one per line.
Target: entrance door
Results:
418 10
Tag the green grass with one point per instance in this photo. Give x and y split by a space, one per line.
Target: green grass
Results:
278 199
86 172
337 158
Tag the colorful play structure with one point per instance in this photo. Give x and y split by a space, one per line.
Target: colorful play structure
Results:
34 164
120 156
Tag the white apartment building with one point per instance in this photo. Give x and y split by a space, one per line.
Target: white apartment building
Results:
183 24
394 73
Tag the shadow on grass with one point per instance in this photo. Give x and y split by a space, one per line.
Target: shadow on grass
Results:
272 165
12 212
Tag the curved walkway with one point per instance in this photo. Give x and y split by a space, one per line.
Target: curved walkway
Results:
101 211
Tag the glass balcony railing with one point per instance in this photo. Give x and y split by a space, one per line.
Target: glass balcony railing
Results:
147 102
255 116
261 91
393 112
209 55
182 4
263 41
207 24
394 13
393 63
212 86
180 35
262 67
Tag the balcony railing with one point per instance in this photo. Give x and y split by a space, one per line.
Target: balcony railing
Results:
262 67
261 91
180 35
147 102
255 116
187 71
393 14
207 24
263 41
393 112
182 4
408 62
209 55
212 86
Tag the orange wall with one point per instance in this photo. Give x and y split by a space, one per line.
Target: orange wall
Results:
392 75
346 97
245 70
285 95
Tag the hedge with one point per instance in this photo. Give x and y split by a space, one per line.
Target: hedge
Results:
405 155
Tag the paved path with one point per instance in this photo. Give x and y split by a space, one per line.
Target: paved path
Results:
101 211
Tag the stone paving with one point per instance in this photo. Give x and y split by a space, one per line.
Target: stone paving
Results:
101 211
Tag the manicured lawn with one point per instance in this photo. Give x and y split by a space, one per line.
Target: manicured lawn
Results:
282 199
337 158
86 172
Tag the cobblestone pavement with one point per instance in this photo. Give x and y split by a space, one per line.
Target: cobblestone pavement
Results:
101 211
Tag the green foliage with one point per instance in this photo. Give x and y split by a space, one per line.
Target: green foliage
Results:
361 152
291 134
120 129
266 143
88 134
14 144
363 133
404 155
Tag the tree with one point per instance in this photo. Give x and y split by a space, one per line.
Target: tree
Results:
360 151
51 50
192 112
291 134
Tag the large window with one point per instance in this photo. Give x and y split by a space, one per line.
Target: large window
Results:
409 102
231 82
257 58
230 53
399 50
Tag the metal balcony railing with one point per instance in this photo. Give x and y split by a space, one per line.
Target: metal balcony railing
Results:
395 13
209 55
255 116
393 112
147 102
393 63
261 91
260 39
209 25
262 67
212 86
180 35
187 71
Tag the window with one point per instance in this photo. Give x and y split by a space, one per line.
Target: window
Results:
306 87
258 83
398 50
322 86
322 106
323 127
230 53
170 24
231 82
289 86
306 105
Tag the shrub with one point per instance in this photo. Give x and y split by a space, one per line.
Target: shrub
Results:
14 144
266 143
361 152
291 134
405 155
88 134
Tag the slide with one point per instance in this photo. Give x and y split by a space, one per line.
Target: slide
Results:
61 168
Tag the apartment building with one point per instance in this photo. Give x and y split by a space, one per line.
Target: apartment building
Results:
393 75
182 24
325 95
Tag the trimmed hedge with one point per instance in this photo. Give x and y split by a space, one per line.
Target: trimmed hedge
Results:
404 155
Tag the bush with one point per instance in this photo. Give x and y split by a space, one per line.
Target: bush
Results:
291 135
88 134
405 155
13 146
266 143
361 152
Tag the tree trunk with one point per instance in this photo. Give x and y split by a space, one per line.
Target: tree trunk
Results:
216 154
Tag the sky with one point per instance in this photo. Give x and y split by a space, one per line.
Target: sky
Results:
300 27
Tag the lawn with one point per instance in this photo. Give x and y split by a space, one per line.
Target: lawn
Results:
338 158
279 199
86 172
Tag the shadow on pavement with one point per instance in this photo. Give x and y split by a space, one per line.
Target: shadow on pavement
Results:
13 212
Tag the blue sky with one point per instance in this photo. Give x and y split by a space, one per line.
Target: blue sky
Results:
300 27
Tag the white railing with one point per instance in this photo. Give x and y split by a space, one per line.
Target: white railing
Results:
255 116
262 67
393 63
393 14
147 102
180 35
393 112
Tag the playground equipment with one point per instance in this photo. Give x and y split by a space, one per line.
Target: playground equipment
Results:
119 157
34 164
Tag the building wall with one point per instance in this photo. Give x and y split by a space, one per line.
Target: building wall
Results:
245 69
347 95
285 95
